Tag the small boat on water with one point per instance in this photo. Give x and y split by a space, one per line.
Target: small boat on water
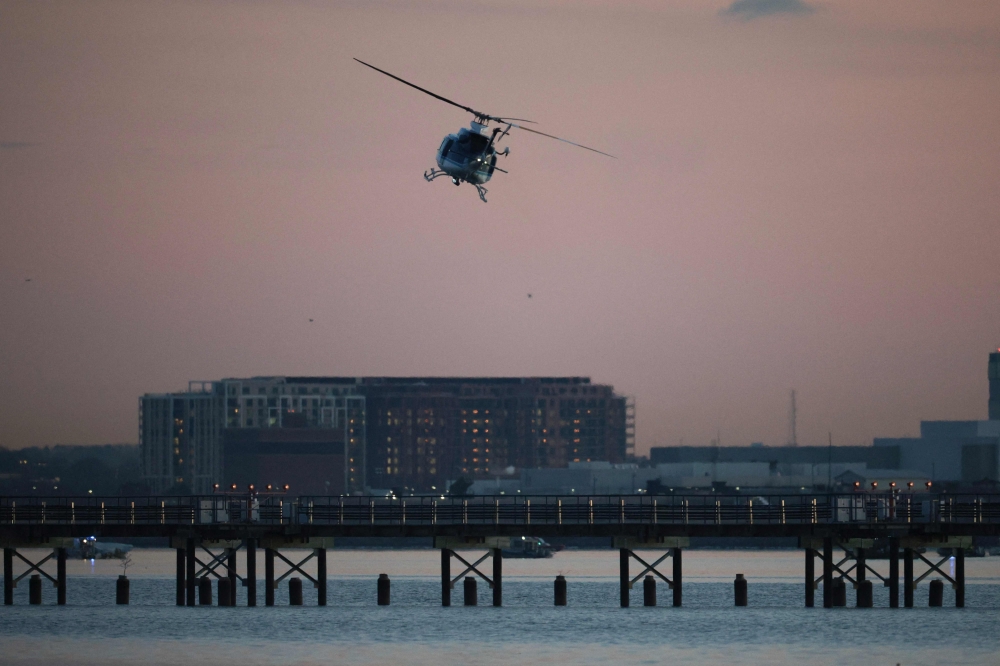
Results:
89 548
528 547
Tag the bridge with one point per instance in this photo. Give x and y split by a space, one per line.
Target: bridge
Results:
852 524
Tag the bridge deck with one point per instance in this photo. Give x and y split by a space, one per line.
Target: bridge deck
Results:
232 516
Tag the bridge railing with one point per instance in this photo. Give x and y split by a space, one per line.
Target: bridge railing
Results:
508 510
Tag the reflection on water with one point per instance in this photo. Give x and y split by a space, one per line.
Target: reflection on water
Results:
774 629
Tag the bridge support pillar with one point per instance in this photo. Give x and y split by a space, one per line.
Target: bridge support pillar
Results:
272 551
445 577
828 572
860 600
231 575
190 578
908 577
678 586
623 578
8 576
851 568
191 569
959 578
913 550
181 586
35 569
810 577
494 549
497 577
61 576
251 580
268 577
626 552
893 572
321 576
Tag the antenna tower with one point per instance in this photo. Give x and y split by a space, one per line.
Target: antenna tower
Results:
793 439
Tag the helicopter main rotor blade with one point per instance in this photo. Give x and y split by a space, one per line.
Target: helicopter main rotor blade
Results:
578 145
424 90
478 114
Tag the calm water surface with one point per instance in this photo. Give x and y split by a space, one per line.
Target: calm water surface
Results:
774 629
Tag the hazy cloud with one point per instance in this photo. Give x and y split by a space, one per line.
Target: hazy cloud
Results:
752 9
14 145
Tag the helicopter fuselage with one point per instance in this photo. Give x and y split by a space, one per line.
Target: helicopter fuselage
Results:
468 156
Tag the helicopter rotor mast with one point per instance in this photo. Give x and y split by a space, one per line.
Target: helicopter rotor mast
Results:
480 117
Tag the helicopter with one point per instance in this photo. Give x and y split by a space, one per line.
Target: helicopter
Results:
470 156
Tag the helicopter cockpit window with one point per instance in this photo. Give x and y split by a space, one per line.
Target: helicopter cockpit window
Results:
469 144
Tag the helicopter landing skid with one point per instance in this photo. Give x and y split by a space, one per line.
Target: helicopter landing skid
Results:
432 174
437 173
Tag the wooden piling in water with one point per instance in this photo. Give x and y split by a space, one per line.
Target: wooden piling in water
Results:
935 597
471 596
35 590
560 590
225 590
865 594
839 592
122 590
204 591
648 591
740 590
295 591
383 589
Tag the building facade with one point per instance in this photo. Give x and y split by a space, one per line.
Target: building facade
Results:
180 439
961 452
411 434
425 432
951 451
186 438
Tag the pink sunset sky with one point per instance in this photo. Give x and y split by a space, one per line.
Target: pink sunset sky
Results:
806 197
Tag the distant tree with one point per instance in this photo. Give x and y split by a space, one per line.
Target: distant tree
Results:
126 563
86 474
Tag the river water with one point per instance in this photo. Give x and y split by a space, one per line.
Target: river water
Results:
415 629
